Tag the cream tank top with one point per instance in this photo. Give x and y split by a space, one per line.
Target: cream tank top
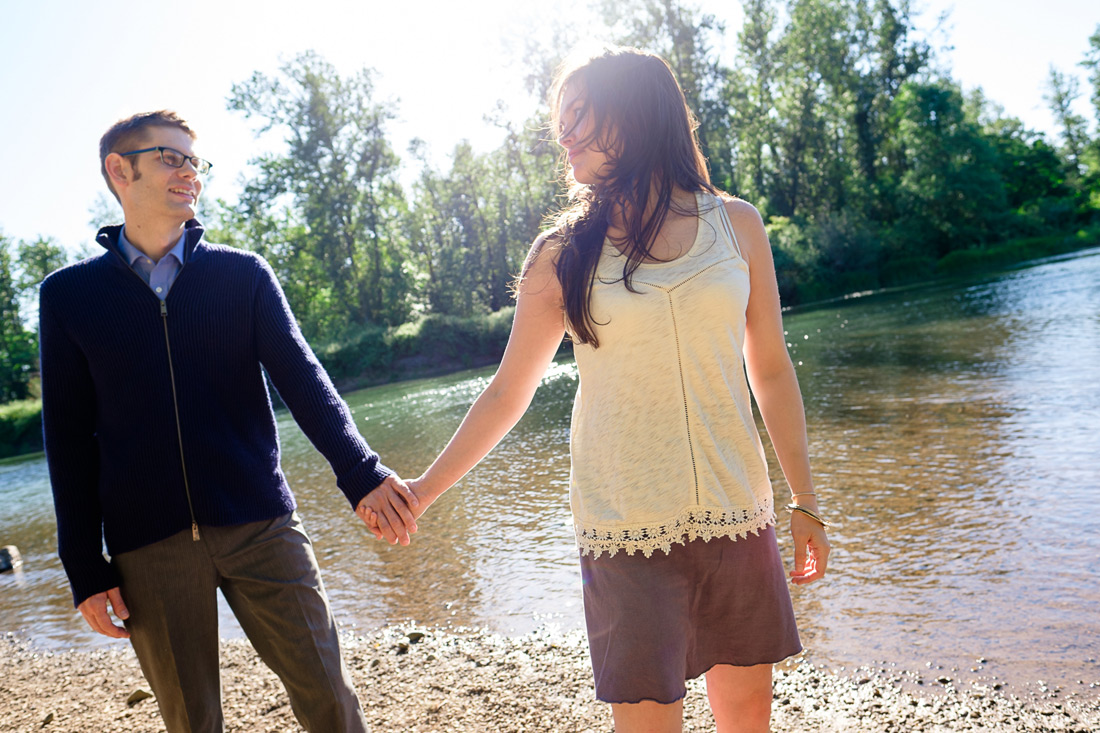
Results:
663 444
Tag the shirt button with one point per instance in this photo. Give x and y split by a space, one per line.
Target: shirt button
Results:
159 289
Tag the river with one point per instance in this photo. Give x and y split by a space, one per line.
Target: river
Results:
954 437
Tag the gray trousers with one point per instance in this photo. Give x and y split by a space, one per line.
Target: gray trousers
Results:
268 574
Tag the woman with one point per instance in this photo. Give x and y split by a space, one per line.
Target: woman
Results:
669 295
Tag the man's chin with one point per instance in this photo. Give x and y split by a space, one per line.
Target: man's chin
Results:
187 213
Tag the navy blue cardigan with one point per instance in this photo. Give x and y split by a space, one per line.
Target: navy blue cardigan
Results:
109 418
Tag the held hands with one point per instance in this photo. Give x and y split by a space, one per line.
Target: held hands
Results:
390 510
94 611
811 549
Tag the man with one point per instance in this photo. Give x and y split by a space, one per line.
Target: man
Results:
160 438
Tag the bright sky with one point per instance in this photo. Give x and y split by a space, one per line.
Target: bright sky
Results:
73 67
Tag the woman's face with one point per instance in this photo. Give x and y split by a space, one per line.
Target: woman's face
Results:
577 135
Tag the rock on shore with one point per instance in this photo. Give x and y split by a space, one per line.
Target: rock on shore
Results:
413 679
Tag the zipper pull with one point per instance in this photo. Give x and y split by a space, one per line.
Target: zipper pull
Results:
194 531
163 309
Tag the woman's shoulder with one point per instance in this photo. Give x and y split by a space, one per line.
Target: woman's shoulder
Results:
740 210
748 226
540 267
546 248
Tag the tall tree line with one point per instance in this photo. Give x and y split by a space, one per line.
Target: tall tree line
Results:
868 163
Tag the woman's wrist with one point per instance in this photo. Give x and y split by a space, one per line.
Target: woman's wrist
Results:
808 512
805 497
429 488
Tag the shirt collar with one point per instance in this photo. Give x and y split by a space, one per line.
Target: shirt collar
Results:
132 253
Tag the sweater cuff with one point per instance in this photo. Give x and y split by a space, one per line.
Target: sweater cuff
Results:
362 480
88 578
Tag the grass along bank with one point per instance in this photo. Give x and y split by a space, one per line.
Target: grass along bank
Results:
20 428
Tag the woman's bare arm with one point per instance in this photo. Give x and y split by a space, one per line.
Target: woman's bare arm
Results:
775 387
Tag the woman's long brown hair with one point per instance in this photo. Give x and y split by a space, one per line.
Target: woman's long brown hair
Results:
642 121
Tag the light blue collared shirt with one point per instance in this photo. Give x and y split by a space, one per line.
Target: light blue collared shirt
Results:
159 275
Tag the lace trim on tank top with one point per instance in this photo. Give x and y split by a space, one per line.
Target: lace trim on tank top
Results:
692 523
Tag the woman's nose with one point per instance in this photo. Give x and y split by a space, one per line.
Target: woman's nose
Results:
565 137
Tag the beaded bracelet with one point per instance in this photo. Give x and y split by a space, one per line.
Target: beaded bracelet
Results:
809 513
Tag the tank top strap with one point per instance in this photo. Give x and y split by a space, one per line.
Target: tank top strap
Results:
724 216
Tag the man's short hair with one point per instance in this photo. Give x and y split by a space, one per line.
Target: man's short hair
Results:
128 133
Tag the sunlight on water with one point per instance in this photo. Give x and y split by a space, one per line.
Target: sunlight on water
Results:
953 435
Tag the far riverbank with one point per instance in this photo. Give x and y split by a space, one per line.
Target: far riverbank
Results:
438 344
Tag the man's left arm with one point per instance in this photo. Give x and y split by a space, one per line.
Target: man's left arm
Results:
306 389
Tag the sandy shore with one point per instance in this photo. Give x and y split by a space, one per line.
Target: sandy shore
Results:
473 681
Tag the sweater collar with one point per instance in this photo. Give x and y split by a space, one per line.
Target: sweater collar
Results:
192 238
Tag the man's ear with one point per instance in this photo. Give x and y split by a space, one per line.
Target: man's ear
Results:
118 169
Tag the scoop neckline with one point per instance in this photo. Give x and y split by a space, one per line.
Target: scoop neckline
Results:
616 252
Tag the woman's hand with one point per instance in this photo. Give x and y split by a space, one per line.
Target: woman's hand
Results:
390 510
811 549
417 500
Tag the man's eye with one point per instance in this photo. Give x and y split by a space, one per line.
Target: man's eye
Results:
171 157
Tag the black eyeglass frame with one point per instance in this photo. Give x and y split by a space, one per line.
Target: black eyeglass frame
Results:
201 165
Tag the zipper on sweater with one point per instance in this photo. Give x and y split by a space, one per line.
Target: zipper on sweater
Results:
179 433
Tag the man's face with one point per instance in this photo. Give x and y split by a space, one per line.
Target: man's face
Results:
156 189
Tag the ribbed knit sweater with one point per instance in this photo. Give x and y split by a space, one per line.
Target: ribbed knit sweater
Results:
136 396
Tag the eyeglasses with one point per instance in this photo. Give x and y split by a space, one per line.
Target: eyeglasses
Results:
176 159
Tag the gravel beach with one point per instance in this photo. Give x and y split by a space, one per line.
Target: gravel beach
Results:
414 679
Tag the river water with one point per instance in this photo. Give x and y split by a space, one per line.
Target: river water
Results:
954 437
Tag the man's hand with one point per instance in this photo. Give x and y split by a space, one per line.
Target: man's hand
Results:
388 511
94 611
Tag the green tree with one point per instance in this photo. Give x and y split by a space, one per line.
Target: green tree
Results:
472 225
1032 173
884 57
1062 92
810 103
18 347
335 180
37 259
1091 64
810 159
448 225
751 99
948 189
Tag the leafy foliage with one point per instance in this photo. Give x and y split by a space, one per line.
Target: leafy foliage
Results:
18 346
335 186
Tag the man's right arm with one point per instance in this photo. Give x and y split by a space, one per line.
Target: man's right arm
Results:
68 424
